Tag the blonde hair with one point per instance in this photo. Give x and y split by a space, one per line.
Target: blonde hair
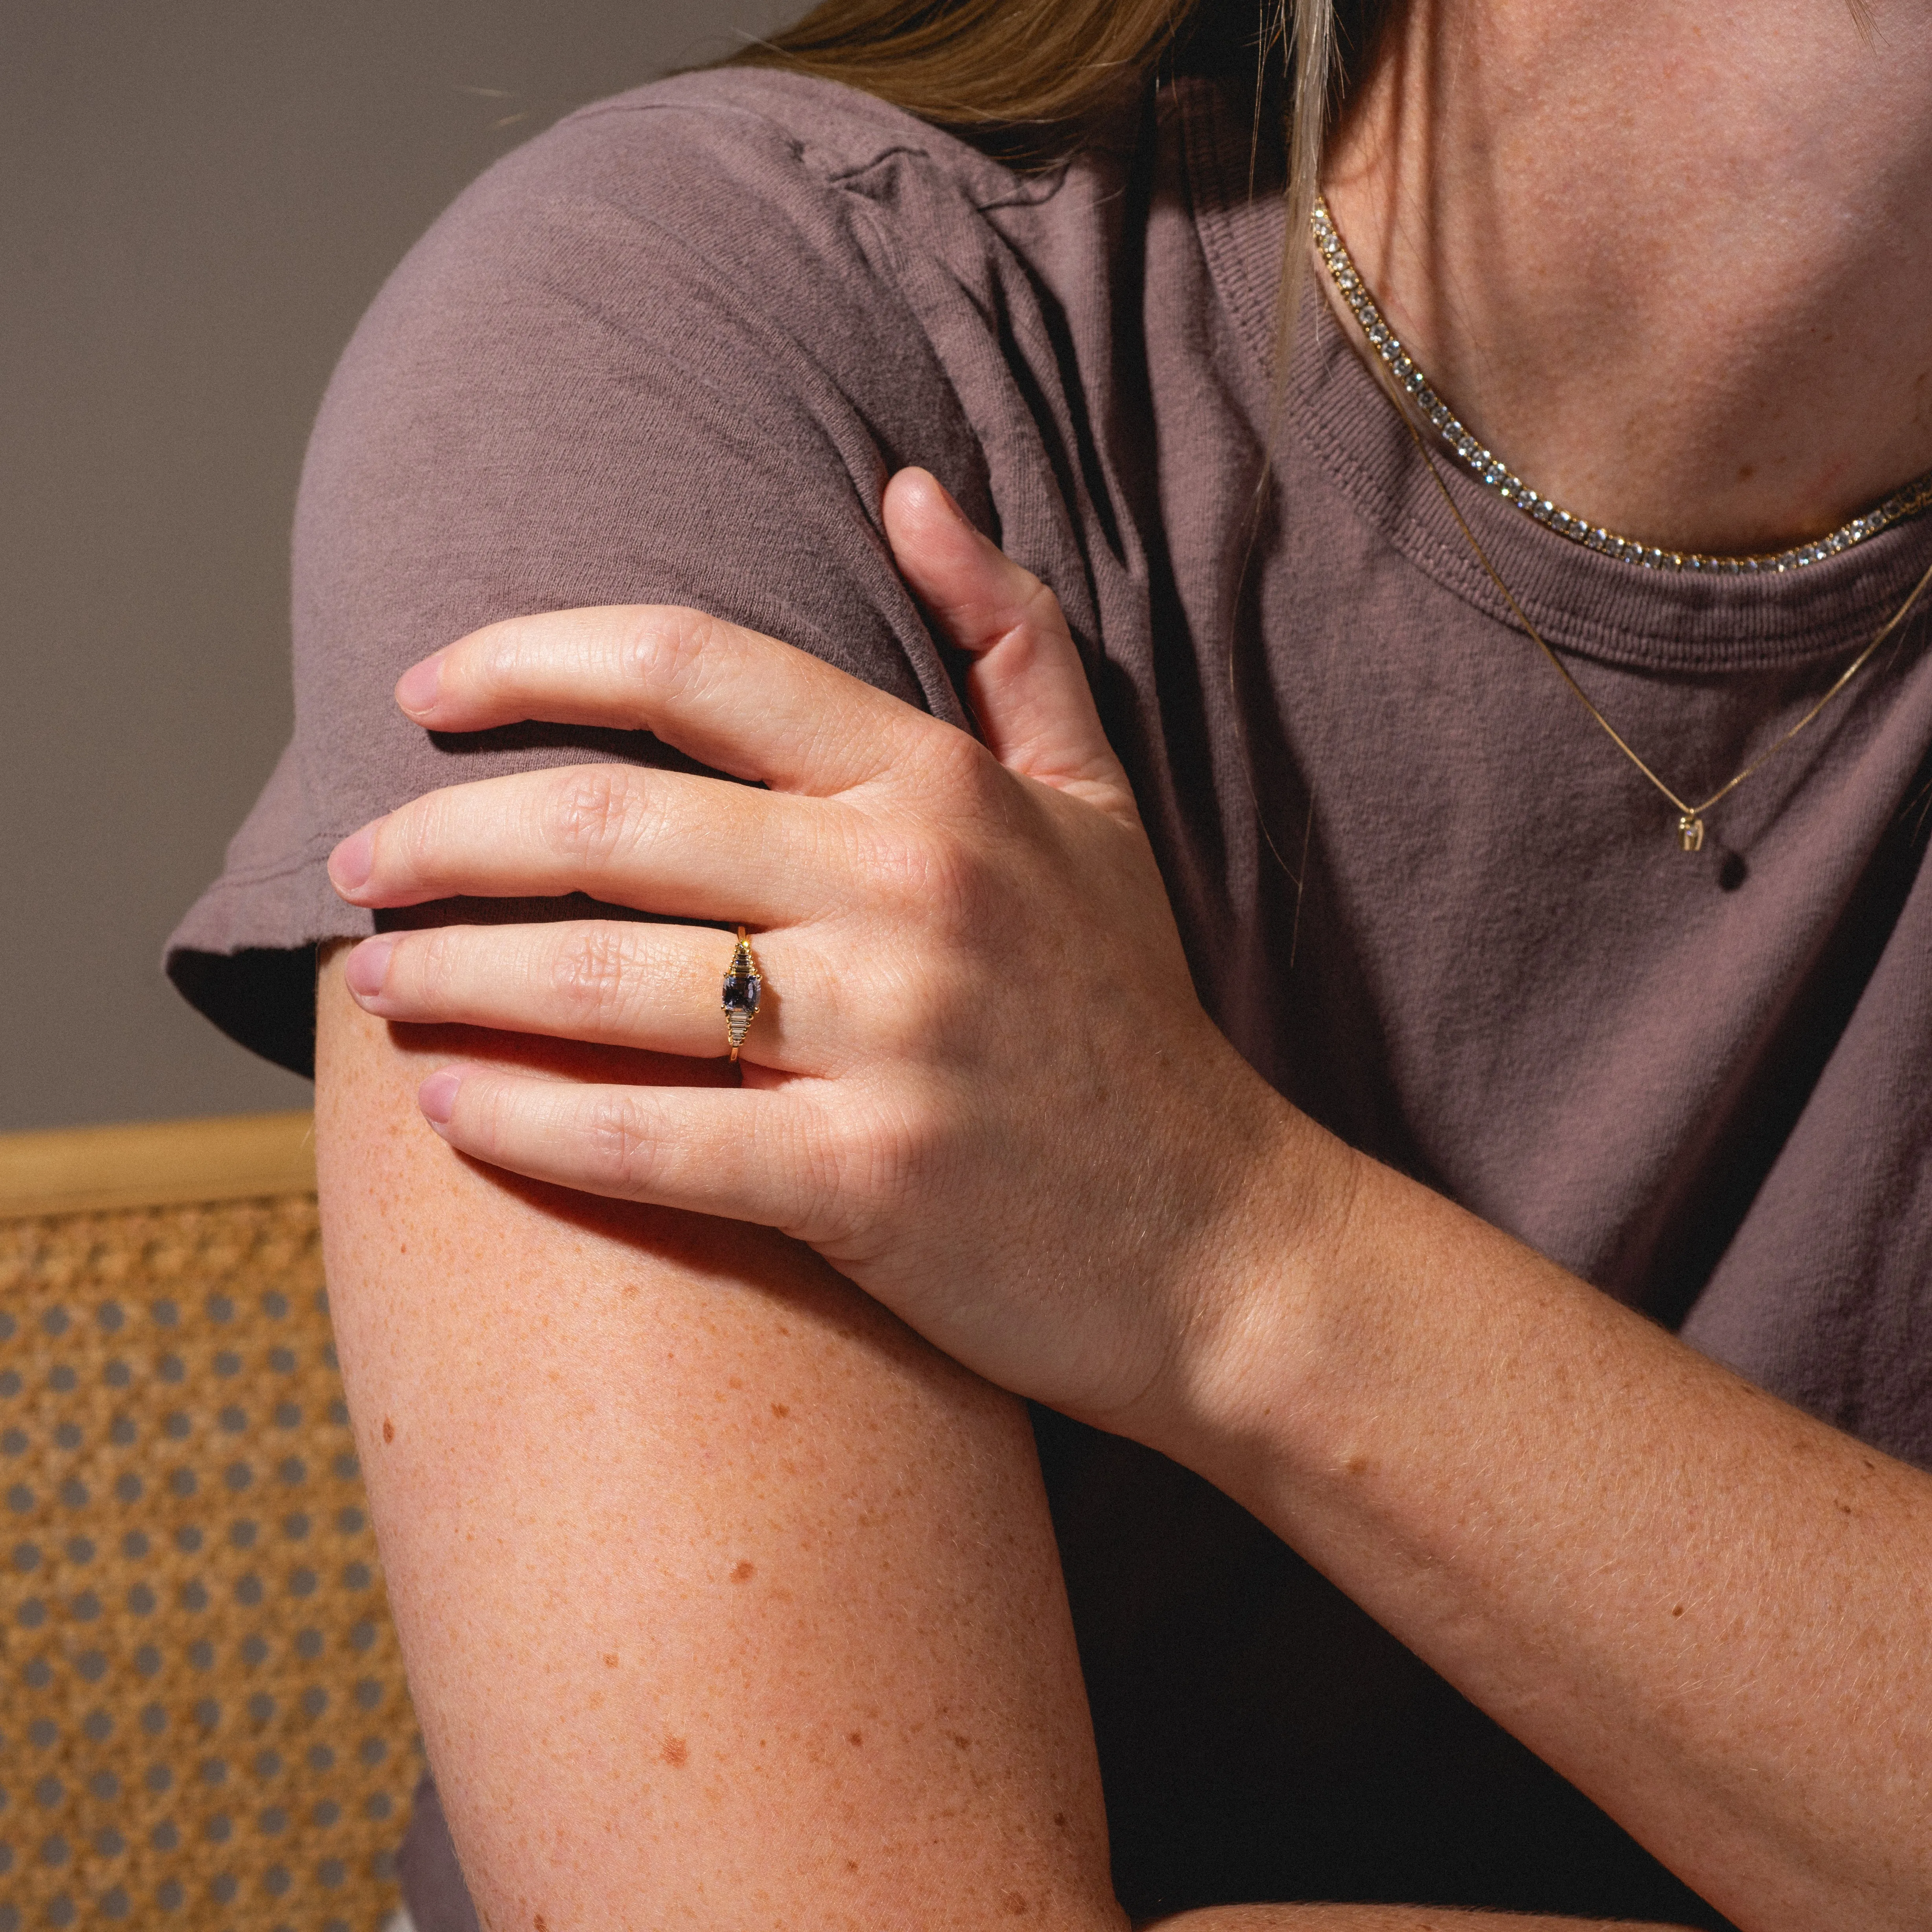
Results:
1025 75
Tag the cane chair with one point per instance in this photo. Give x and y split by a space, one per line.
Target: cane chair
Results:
203 1722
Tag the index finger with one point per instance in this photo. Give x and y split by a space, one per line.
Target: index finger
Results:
732 698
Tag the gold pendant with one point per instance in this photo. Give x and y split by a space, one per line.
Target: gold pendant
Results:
1690 832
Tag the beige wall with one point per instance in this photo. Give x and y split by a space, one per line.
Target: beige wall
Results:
196 200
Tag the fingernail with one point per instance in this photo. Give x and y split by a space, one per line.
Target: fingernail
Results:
368 966
416 689
351 862
946 497
436 1097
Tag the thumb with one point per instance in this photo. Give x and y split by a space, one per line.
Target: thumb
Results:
1028 687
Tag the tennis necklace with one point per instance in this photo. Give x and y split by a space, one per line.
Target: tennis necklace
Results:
1489 468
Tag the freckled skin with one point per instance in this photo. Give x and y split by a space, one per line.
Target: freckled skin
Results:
570 1472
389 1430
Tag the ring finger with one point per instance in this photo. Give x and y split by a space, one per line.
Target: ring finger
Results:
611 983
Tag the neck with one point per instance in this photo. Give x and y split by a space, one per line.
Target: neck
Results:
1671 259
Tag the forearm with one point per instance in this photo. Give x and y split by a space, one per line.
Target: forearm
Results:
722 1595
1710 1612
1722 1643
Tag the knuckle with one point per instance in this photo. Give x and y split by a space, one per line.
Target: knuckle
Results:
962 772
430 959
1038 610
615 1148
593 813
503 658
670 650
924 868
489 1128
409 840
590 974
955 885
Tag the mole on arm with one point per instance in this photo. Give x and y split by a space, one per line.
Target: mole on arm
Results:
676 1752
744 1572
389 1430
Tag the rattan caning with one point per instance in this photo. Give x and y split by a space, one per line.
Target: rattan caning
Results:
203 1721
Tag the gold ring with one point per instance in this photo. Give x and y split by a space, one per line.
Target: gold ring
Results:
743 986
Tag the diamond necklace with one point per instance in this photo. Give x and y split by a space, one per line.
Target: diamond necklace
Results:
1689 817
1487 467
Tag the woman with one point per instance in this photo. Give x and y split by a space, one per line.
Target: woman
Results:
1290 867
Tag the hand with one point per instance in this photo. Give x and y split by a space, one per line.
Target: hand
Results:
980 1083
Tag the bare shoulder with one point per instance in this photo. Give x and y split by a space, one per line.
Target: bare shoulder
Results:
714 1581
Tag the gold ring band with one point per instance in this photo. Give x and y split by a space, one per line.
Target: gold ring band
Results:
744 986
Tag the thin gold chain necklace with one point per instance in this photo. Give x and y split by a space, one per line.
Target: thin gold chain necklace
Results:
1690 827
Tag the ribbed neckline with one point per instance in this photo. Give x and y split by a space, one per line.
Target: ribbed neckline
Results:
1619 613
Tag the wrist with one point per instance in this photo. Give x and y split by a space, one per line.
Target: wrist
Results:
1245 1297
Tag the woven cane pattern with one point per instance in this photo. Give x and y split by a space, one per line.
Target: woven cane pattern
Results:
202 1716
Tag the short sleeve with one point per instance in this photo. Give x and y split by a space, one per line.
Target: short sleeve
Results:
659 356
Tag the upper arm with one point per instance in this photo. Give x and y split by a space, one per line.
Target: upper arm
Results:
725 1600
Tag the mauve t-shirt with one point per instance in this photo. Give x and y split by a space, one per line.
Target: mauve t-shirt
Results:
670 352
